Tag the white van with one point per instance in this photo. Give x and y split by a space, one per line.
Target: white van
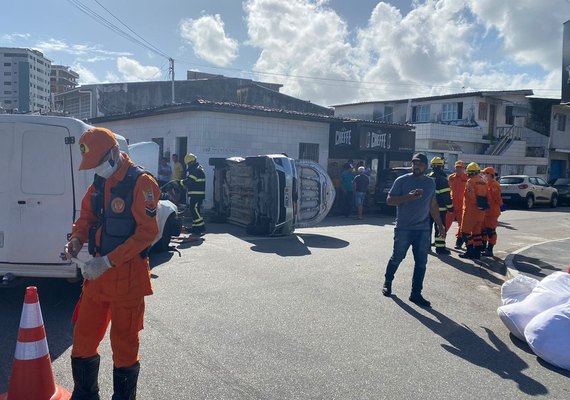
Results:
41 189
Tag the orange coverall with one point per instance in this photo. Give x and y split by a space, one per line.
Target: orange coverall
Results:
118 294
473 217
457 185
492 213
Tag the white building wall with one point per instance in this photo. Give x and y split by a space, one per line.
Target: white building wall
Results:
214 134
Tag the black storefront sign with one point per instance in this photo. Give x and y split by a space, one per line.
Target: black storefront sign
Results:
353 139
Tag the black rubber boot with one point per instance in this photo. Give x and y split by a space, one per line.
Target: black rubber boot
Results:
387 289
469 253
125 382
489 251
85 375
477 252
458 243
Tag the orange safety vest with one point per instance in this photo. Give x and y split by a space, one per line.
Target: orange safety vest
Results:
495 199
476 187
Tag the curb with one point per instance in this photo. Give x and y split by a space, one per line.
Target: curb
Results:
512 271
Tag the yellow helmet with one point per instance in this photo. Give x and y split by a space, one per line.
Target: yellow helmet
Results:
189 158
437 161
473 168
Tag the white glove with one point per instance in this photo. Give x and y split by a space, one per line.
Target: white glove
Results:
72 248
95 267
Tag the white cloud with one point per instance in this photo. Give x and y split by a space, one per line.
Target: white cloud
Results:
86 76
531 30
11 37
131 70
438 47
209 40
79 49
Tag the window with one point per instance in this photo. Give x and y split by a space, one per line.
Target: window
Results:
421 113
482 111
561 122
388 114
7 64
509 118
449 112
6 83
541 182
309 151
7 92
7 73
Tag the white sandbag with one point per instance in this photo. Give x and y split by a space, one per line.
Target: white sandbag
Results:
517 289
550 292
548 335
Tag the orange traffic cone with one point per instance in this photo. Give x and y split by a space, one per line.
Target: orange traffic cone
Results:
32 377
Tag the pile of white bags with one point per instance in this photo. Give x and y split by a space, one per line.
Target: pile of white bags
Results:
539 313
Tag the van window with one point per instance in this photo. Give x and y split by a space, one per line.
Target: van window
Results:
6 156
43 161
511 180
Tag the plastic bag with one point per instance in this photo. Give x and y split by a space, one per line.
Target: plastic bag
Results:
550 292
517 289
548 335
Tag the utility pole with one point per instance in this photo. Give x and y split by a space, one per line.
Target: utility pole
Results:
172 74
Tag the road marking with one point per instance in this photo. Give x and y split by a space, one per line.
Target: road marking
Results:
511 270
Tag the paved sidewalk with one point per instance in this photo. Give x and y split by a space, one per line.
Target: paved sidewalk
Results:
541 259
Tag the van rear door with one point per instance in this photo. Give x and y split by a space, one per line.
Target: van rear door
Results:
36 193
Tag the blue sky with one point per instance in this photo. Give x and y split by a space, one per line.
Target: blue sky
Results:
325 51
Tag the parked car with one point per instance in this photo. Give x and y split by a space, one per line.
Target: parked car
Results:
563 187
527 191
270 194
386 179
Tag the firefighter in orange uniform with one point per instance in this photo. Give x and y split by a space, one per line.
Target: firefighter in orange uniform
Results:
493 212
118 221
457 182
474 205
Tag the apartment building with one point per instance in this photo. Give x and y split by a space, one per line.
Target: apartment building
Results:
62 79
24 80
504 129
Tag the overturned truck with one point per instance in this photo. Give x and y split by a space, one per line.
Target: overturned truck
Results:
271 194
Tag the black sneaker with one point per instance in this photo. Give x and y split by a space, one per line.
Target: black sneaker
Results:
419 300
442 250
387 289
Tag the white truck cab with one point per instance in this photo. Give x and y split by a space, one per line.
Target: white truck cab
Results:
41 189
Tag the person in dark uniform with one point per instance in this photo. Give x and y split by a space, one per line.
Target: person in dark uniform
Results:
443 198
195 184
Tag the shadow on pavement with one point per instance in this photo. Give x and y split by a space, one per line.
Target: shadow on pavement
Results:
465 343
478 268
532 265
296 245
521 344
57 302
506 225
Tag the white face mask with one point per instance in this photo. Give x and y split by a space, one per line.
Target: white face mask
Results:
106 169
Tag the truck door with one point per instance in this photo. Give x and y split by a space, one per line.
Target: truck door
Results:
37 202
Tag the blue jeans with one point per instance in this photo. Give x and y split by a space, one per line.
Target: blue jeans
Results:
420 242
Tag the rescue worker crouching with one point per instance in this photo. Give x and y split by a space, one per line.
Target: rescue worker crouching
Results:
457 182
474 206
492 213
443 198
195 184
118 220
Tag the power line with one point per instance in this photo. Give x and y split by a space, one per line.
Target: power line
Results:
103 21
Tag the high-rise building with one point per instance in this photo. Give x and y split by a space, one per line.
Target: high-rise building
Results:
24 80
62 79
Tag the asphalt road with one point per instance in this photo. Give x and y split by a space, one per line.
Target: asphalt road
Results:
240 317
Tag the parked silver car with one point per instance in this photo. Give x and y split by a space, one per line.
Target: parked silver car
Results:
527 191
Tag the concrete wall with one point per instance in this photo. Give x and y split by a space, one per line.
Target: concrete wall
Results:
212 134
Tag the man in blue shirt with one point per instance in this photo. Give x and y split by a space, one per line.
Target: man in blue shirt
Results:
414 196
